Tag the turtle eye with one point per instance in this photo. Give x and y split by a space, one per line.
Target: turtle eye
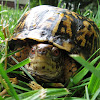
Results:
55 51
33 51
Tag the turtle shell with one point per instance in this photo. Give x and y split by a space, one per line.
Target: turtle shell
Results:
63 28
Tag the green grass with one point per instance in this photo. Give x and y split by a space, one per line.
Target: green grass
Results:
89 87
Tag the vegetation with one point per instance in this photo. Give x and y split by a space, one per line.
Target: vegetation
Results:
77 89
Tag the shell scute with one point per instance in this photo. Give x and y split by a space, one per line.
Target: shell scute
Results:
61 27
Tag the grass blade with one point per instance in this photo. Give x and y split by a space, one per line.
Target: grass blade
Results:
40 3
59 4
45 94
23 95
96 94
87 94
4 75
87 65
20 87
78 77
48 94
70 98
1 98
20 64
94 82
84 84
28 74
84 71
56 92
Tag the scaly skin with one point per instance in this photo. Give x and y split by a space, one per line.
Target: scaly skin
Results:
51 64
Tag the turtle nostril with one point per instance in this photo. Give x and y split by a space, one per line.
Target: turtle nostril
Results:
42 51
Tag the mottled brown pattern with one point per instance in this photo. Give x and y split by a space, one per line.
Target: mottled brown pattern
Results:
74 14
58 26
70 69
21 55
87 32
68 23
63 30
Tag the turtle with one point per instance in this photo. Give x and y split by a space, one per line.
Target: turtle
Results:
47 35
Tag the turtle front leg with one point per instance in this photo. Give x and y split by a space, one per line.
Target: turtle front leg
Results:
70 69
21 54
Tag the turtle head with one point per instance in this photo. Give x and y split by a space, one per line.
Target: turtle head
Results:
46 61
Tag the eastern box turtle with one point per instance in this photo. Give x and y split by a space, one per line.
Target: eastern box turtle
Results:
48 35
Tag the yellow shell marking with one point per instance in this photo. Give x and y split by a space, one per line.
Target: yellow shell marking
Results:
57 24
74 14
22 23
68 12
80 17
67 46
85 31
62 30
68 23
